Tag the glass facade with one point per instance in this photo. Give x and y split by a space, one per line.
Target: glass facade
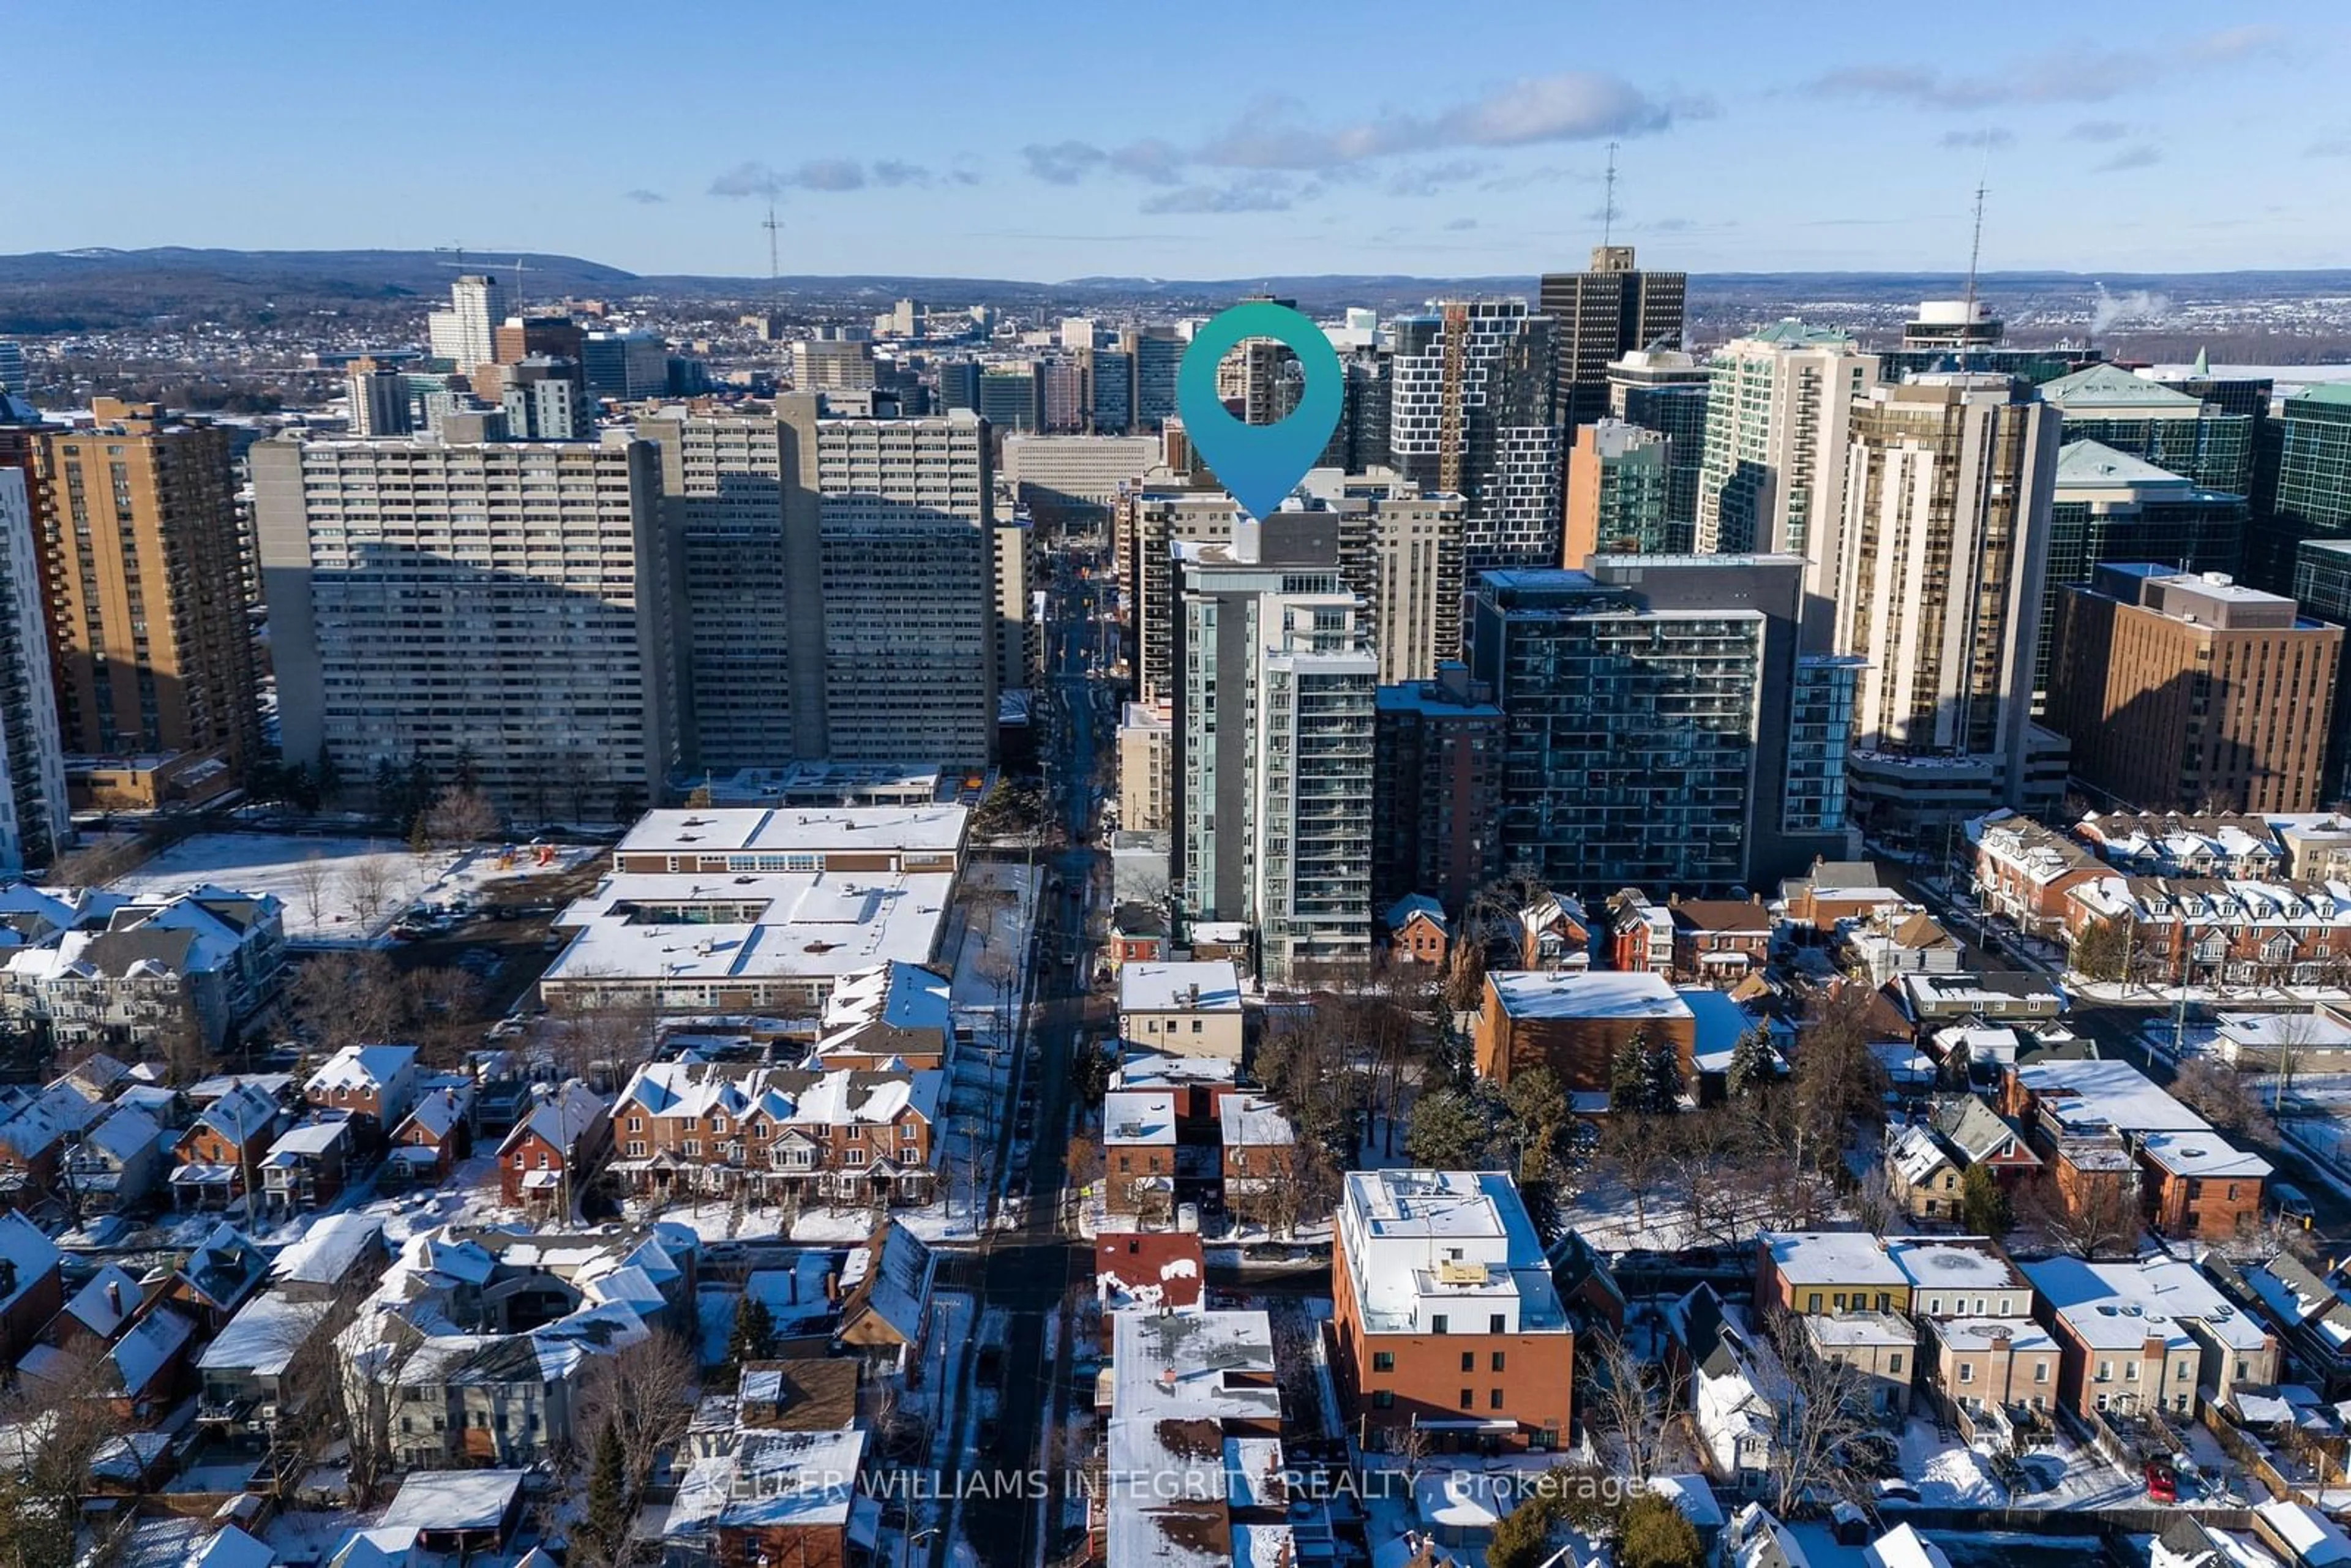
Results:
1678 412
2214 449
1820 735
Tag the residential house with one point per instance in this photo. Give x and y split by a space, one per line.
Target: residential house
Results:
434 1136
219 1157
1447 1316
1139 1145
779 1484
2145 1336
1976 1134
1931 1000
31 1285
377 1081
1836 892
1959 1277
1640 934
116 1164
2312 1310
853 1135
1882 1348
1185 1009
1739 1393
1260 1158
1554 933
216 1276
1138 934
334 1254
1719 941
1574 1022
2318 845
555 1145
2208 931
140 1377
2199 1186
1418 931
1148 1271
1921 1174
885 1289
2024 869
1193 1444
98 1311
1890 943
1981 1364
305 1166
35 1127
2187 1179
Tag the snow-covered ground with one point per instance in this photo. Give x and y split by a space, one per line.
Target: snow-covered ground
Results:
363 883
1948 1475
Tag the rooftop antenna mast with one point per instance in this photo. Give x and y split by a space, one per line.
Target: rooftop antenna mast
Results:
1608 204
1975 246
774 270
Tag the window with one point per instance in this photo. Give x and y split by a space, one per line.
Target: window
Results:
1966 1371
1884 1302
1493 1399
1814 1300
1893 1363
2040 1372
1497 1359
1196 1026
1383 1399
2106 1375
1437 1323
1495 1321
1469 1399
2130 1372
1383 1361
1469 1361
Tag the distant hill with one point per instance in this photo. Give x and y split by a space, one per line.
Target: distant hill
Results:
354 271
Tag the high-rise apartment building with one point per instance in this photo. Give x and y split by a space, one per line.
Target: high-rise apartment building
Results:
1273 730
1061 385
1153 519
2108 506
544 400
502 605
1661 725
2156 424
1110 389
1964 335
1359 442
1665 390
1777 413
1472 412
466 334
1019 637
136 516
723 511
2187 693
1603 313
1437 778
1619 482
1938 585
1400 551
12 367
895 640
35 819
2322 587
381 404
1146 738
518 338
958 385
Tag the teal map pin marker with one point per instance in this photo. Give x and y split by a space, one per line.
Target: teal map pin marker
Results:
1259 464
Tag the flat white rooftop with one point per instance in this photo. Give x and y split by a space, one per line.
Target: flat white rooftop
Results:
1587 994
1212 986
640 925
782 829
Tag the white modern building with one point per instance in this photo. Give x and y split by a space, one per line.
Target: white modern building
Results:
504 602
1273 744
35 820
466 333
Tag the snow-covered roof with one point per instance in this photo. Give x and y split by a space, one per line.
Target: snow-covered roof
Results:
786 1096
1157 1271
141 1353
2316 1540
2101 1088
1831 1258
110 1298
1914 1153
241 1113
361 1069
453 1500
123 1136
894 1284
2021 1334
561 1117
1415 906
862 830
1855 1331
231 1547
673 926
264 1335
2116 1306
32 1255
1904 1547
1253 1120
328 1248
1141 1068
1954 1263
896 995
1205 985
439 1110
1138 1116
1587 994
310 1139
2203 1154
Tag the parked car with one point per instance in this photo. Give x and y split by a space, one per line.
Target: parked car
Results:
2162 1486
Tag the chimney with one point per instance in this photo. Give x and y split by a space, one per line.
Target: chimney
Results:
1168 1380
114 1296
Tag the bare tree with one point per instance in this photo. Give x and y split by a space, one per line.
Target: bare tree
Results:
367 883
1637 1150
1633 1400
52 1426
178 1042
2222 1096
645 1392
1826 1415
310 879
374 1350
2099 1217
459 817
348 998
599 1033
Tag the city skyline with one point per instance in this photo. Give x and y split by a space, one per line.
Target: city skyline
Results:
1484 161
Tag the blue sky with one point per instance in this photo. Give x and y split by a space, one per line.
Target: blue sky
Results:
1202 140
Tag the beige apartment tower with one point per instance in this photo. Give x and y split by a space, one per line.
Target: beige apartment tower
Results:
136 521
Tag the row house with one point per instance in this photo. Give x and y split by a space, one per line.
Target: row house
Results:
1836 892
554 1145
2024 869
2184 1177
1259 1157
1719 941
895 1015
220 1155
210 959
2170 843
1141 1145
1640 934
854 1135
2142 1337
306 1167
1554 933
31 1285
2199 931
2312 1313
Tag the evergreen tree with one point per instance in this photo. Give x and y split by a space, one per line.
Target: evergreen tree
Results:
607 1504
1661 1075
1750 1064
329 776
1983 1207
1653 1534
753 1335
1628 1076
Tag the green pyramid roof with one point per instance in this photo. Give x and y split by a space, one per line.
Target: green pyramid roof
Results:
2111 386
2087 464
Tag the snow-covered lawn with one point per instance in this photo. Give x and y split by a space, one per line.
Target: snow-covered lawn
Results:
1948 1475
377 876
